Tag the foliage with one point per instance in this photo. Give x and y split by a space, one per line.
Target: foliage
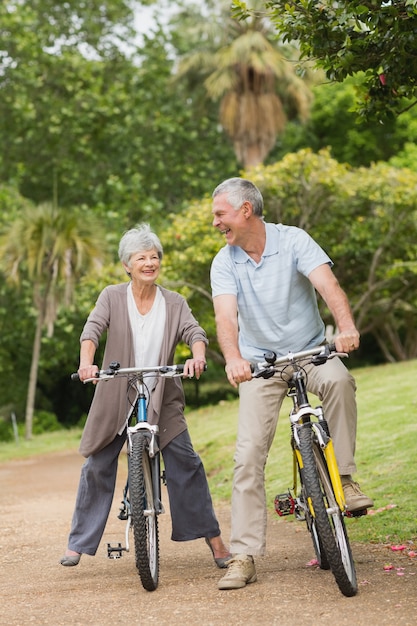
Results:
45 421
102 126
6 430
242 66
190 244
333 123
51 249
364 218
373 39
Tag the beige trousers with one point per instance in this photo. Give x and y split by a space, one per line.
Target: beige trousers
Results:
260 403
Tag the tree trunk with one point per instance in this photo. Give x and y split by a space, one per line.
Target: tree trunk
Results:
33 378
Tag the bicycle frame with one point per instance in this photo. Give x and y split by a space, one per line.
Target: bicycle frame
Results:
115 552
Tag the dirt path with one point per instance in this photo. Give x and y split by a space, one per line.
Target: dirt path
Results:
36 502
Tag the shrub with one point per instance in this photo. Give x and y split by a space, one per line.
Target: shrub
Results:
45 421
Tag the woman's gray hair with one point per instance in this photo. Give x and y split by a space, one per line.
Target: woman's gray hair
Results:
137 239
240 190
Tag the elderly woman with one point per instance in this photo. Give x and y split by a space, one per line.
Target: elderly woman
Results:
144 324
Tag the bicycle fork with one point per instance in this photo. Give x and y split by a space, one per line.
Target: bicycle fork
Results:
116 552
288 503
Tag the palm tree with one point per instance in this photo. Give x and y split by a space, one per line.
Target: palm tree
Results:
52 248
252 76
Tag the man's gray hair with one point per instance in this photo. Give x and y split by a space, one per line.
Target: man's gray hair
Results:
240 190
137 239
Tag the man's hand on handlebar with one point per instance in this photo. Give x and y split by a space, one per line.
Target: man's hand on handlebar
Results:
347 341
238 371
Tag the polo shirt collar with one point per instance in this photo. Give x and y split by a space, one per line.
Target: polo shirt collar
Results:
271 245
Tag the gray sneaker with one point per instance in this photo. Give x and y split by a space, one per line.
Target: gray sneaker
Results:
240 572
355 499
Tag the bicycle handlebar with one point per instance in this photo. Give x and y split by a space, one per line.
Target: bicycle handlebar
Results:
319 355
114 369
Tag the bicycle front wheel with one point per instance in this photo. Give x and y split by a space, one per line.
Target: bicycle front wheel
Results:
144 515
328 518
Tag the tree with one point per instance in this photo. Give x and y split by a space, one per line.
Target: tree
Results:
364 218
371 38
333 124
100 125
51 249
253 78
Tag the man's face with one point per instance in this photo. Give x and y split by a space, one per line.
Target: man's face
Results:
229 221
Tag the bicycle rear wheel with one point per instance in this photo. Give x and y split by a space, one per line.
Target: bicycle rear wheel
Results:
144 515
328 518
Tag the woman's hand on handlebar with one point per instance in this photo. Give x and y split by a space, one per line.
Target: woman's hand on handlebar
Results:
194 367
238 371
88 371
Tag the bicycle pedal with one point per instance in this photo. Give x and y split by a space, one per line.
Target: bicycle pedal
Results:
359 513
115 552
284 504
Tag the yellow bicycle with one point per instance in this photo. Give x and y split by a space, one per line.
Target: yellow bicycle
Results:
316 496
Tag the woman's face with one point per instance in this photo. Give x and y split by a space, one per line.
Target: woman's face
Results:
144 266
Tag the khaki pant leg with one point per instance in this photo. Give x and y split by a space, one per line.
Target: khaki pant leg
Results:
260 402
336 388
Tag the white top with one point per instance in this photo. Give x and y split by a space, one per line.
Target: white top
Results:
148 333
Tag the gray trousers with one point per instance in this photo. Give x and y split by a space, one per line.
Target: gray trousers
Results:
192 514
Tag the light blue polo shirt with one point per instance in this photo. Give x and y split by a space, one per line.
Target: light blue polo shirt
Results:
277 304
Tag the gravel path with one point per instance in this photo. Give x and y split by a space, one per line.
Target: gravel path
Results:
36 503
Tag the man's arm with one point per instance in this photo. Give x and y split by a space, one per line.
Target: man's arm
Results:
327 285
225 310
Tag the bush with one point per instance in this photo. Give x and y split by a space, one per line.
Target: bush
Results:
6 430
45 421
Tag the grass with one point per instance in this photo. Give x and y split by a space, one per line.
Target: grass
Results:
386 448
39 445
385 452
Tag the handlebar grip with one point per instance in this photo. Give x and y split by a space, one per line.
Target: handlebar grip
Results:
332 347
75 376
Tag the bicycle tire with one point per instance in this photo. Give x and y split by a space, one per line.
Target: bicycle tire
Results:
310 520
144 515
329 521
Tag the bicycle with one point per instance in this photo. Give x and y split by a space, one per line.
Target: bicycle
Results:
142 502
318 497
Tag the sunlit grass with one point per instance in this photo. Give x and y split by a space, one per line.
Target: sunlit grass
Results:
385 455
40 444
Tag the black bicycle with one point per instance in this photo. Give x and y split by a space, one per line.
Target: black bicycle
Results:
142 503
316 496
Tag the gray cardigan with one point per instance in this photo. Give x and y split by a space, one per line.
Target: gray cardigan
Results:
110 404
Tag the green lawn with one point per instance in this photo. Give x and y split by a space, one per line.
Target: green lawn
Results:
385 456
